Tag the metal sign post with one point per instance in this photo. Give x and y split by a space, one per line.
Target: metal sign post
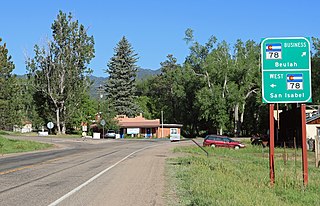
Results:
50 125
103 122
304 145
286 78
317 149
271 144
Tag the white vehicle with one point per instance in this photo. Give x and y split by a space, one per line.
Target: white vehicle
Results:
110 134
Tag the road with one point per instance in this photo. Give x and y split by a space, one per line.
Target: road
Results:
91 172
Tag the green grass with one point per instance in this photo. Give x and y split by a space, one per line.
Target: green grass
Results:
241 177
2 132
14 146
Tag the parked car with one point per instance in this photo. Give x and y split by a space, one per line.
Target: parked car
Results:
221 141
110 134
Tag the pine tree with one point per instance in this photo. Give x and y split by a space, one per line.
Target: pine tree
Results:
121 85
7 89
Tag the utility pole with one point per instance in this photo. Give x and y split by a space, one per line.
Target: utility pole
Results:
162 123
100 92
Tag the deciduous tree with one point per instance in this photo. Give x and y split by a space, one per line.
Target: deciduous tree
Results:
60 69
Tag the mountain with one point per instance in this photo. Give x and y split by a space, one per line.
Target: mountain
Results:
143 73
100 81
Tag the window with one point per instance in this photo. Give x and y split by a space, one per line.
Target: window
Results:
173 131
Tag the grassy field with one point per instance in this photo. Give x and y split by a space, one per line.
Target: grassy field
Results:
241 177
14 146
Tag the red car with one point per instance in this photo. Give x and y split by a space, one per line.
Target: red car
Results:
221 141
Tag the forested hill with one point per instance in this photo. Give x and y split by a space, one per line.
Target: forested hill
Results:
143 73
97 81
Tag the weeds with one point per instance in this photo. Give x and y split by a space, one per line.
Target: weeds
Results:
13 146
241 177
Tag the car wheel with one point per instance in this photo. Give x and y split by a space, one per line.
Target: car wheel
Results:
213 145
236 147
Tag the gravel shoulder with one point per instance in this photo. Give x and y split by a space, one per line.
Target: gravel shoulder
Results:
139 180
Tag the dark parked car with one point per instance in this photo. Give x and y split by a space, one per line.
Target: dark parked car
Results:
221 141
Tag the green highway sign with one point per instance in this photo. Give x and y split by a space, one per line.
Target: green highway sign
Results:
286 70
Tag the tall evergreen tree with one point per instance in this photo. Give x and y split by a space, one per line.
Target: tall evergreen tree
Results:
7 89
60 70
315 71
121 85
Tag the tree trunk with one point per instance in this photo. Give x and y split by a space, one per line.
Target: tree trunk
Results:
224 87
236 119
63 123
242 113
58 120
208 79
63 129
241 120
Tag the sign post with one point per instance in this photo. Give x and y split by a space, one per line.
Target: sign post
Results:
103 122
50 125
317 148
304 145
271 144
286 78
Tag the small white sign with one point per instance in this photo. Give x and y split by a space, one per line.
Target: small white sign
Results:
295 81
133 130
274 51
50 125
174 134
294 86
274 55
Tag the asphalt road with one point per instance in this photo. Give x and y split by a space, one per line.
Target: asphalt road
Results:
91 172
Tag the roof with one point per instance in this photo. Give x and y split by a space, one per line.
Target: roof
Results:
313 117
144 124
139 121
172 125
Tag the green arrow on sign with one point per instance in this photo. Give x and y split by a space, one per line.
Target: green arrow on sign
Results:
286 70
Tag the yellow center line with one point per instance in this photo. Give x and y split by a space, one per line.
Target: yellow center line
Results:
28 166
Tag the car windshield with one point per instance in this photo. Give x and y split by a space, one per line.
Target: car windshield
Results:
217 138
110 131
210 137
230 140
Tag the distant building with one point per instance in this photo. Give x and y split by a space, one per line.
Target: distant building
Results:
290 128
313 126
141 127
26 127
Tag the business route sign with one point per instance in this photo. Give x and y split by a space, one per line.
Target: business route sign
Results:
286 70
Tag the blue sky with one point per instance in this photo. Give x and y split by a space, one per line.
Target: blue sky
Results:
154 28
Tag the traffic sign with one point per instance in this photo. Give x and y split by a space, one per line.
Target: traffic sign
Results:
286 70
103 122
50 125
